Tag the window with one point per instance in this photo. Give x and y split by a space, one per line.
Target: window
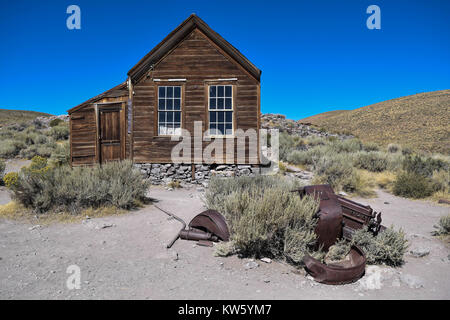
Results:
221 110
169 110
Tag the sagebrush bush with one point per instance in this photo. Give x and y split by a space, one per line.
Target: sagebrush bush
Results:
55 122
424 166
374 161
59 132
61 154
393 148
338 250
441 180
370 146
443 226
264 217
412 185
8 149
334 170
388 247
47 188
289 143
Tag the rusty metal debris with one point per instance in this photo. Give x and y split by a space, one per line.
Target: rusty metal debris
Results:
341 272
339 217
329 226
205 227
356 216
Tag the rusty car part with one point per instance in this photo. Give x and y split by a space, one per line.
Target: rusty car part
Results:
213 222
208 225
357 215
342 272
329 225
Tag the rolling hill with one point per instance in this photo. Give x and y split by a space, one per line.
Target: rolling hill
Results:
15 116
420 121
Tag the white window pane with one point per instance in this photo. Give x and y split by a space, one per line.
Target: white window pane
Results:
162 129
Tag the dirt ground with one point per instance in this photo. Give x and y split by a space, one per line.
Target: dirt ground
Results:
124 257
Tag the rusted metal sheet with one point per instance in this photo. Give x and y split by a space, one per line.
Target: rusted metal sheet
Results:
205 227
329 225
213 222
346 271
357 215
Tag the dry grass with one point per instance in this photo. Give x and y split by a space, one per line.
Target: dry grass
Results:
418 121
16 211
384 180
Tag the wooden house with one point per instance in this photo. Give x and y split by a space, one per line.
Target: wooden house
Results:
192 75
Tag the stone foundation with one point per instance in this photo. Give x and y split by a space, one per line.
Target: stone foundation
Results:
164 173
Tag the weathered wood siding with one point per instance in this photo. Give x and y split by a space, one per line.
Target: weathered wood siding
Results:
83 136
84 149
197 59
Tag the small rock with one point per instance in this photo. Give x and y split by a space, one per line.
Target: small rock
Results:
419 252
251 265
372 279
386 202
266 280
174 256
169 189
411 281
266 260
105 225
34 227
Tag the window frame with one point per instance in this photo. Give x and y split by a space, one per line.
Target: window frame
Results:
208 109
182 92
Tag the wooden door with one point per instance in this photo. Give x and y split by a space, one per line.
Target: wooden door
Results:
110 133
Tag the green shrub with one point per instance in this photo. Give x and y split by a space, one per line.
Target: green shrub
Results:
443 226
334 170
60 132
55 122
61 154
338 250
307 157
289 143
264 217
345 146
373 161
393 148
47 188
10 179
370 146
8 149
424 165
441 180
412 185
388 247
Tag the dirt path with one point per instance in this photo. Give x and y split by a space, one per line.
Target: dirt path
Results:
124 257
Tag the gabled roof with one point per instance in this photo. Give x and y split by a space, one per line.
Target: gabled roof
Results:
177 35
118 91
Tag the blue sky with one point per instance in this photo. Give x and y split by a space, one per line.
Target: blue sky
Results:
315 56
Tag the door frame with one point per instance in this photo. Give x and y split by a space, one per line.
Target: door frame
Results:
120 105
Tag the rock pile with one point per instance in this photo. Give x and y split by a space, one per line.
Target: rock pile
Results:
165 173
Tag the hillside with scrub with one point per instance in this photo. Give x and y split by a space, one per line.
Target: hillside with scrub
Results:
8 117
420 122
